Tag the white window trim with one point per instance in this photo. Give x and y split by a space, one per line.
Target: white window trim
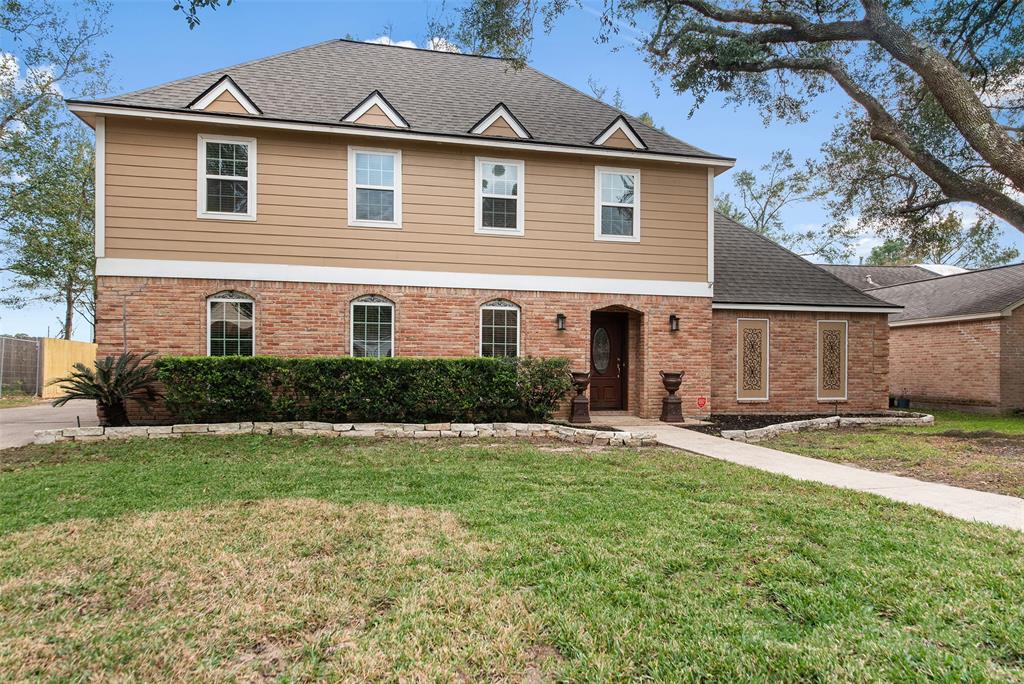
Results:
846 361
478 198
620 124
500 112
519 326
768 362
635 237
353 222
378 100
361 301
202 177
100 201
226 84
209 317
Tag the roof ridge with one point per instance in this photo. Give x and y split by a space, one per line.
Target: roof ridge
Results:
222 70
423 49
952 275
797 256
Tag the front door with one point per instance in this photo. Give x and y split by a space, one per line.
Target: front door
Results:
608 361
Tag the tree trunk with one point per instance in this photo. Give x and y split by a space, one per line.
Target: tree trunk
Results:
69 312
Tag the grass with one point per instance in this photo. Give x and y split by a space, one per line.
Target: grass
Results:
295 559
16 400
976 451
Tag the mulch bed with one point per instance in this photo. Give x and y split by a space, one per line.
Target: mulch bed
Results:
732 421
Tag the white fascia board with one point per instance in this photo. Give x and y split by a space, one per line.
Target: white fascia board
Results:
378 100
620 124
947 319
500 112
220 270
226 84
227 119
100 162
807 307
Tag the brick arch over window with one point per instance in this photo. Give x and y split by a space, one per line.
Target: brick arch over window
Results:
500 321
230 324
372 328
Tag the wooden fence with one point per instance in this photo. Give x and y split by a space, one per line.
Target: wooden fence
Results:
58 356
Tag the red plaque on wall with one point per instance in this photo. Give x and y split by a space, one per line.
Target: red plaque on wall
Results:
701 401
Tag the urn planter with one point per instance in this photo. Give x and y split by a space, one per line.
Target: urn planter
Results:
580 412
671 405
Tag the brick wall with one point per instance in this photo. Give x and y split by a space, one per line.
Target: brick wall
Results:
168 316
792 363
1011 370
955 364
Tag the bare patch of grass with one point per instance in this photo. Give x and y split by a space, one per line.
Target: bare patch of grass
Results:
295 589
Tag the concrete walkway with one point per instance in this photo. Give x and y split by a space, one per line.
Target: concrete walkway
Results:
18 425
967 504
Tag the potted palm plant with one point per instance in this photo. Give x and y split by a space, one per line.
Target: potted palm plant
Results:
112 383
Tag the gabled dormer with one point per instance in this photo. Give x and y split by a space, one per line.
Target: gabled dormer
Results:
502 123
375 110
620 134
226 97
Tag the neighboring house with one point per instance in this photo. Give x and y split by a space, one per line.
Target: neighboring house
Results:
959 340
870 277
350 198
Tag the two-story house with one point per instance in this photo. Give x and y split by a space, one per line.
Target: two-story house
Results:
352 198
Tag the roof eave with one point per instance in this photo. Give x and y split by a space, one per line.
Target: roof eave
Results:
847 308
94 108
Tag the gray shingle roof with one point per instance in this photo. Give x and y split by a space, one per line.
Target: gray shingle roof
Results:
870 277
437 92
962 294
751 269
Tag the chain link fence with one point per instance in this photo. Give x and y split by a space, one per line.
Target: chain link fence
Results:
20 366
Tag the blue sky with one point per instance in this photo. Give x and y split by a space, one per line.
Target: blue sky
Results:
150 44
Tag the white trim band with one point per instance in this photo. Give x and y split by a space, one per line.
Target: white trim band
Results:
807 307
220 270
226 119
100 162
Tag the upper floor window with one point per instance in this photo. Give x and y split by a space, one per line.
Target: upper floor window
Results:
499 196
373 328
374 188
499 328
227 178
617 204
231 325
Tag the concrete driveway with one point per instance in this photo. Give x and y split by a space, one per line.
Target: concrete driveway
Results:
18 425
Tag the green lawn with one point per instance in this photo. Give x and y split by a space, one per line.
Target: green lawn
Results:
16 400
291 559
969 450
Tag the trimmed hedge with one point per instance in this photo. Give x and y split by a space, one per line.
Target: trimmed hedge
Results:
203 389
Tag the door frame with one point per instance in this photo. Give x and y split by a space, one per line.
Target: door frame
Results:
622 319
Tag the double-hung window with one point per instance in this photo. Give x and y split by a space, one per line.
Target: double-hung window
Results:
231 325
373 327
374 188
617 204
499 328
227 178
499 196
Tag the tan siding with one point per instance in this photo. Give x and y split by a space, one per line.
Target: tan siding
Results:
500 127
619 139
302 205
375 116
226 102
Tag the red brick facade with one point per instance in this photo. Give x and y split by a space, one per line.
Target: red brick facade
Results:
168 316
792 379
966 364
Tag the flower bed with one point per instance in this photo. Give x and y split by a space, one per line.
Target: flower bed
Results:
888 418
367 430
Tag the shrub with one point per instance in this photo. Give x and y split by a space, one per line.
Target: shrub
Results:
346 389
112 383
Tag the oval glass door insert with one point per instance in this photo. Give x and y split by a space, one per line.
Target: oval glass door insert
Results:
601 350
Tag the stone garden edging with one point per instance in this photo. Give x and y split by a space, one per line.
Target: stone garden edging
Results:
376 430
769 431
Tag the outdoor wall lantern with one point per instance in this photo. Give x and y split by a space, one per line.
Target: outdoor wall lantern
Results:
673 323
560 321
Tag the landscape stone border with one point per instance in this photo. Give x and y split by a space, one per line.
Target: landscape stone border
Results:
375 430
769 431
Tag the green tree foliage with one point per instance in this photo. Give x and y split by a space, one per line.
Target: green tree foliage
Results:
762 200
948 240
46 157
191 9
935 89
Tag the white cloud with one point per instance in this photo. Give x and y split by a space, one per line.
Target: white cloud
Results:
387 40
440 44
863 245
